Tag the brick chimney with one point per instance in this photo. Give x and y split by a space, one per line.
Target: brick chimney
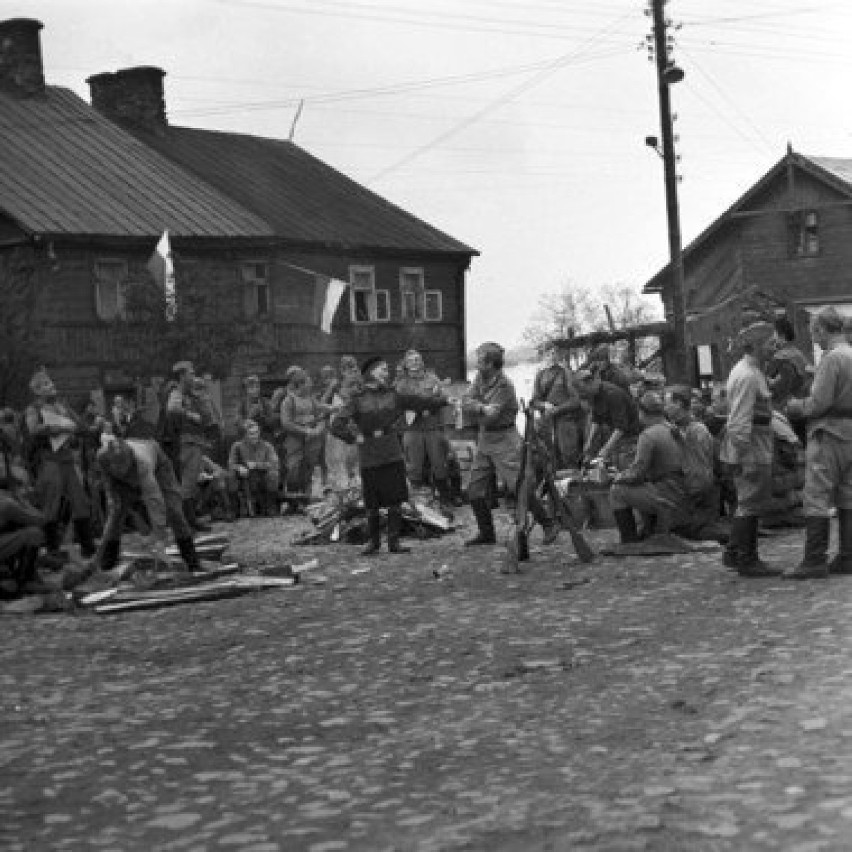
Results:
133 97
21 71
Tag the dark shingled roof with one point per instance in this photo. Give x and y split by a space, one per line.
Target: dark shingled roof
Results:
66 170
302 198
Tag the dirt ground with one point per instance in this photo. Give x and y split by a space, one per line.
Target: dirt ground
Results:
659 704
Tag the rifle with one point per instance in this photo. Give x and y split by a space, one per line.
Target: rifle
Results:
518 546
581 545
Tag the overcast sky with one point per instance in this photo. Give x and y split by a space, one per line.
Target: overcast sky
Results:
517 126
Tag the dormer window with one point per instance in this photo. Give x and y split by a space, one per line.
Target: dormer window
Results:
804 233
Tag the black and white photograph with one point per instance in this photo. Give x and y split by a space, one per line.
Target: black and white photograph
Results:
425 426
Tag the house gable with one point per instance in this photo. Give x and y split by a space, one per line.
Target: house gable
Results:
795 183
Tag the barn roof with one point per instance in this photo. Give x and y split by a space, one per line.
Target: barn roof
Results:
302 198
67 170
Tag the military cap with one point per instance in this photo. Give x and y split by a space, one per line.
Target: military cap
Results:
753 337
371 362
183 367
651 403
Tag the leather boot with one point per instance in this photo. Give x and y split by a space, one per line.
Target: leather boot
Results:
737 545
394 529
752 565
442 486
548 525
626 523
109 554
374 533
83 532
189 555
26 566
842 563
814 565
485 523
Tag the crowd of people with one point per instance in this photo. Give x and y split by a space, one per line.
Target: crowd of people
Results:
89 475
678 459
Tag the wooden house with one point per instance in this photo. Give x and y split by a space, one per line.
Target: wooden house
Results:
784 246
87 190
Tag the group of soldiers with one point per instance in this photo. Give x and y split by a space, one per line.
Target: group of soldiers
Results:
360 425
670 469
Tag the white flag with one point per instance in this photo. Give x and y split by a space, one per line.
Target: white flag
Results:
162 269
329 291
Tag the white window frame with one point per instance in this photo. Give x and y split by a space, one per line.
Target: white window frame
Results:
440 295
418 288
120 304
374 296
250 280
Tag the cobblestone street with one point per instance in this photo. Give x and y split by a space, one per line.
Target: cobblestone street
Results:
645 704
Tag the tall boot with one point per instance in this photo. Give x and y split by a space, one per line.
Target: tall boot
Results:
484 521
25 568
842 563
752 565
374 533
625 520
53 558
814 565
394 529
83 532
109 554
548 525
442 486
189 555
737 545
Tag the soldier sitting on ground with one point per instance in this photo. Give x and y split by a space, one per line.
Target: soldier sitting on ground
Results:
254 464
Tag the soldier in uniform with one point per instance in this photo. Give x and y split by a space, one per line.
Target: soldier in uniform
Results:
653 485
562 413
253 464
614 420
369 418
51 425
828 470
187 411
423 439
747 449
139 472
492 400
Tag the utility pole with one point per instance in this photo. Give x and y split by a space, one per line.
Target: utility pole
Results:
668 73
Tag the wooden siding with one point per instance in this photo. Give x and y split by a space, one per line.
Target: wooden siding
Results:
85 352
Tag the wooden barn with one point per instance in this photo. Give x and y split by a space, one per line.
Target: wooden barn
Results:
784 246
257 224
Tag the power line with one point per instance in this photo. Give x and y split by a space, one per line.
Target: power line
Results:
513 93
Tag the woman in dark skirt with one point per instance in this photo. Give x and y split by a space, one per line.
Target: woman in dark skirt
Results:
370 419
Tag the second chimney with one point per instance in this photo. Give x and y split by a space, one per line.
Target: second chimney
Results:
21 70
132 96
